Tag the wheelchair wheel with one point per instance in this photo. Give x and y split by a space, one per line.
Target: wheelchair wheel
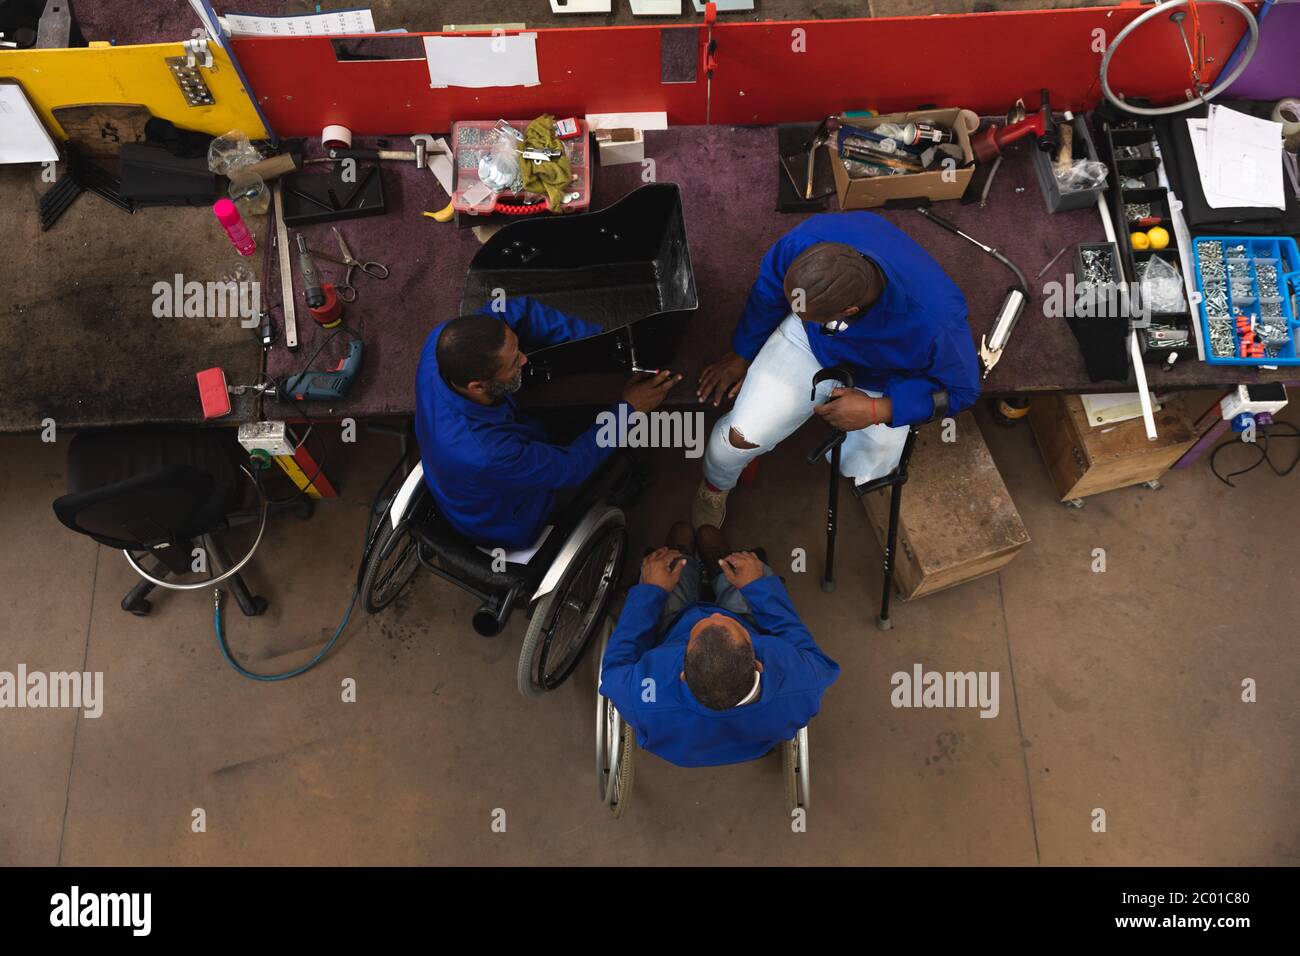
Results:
615 742
565 620
794 766
390 567
615 767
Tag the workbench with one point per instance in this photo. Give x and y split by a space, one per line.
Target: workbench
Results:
80 344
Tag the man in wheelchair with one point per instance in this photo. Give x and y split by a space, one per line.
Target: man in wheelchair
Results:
494 473
706 684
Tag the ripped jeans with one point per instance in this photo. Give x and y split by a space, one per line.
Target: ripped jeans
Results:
773 403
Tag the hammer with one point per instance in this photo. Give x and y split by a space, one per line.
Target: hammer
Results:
820 137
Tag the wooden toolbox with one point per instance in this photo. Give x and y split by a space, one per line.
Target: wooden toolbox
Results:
1083 460
956 520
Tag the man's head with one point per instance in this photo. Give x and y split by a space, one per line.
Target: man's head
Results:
831 281
720 664
479 356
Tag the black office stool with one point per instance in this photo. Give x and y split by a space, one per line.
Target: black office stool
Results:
159 490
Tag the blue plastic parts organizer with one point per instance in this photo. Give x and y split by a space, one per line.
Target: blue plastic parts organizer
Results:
1253 250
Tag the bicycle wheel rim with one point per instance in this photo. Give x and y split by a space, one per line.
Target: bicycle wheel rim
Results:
1252 28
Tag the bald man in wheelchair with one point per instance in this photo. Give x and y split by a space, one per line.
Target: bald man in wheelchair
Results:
711 683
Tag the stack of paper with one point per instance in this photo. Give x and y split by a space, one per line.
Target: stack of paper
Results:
337 23
23 137
1239 159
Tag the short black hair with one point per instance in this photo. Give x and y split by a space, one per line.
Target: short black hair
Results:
719 668
834 277
469 349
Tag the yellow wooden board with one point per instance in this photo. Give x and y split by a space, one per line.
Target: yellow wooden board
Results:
132 74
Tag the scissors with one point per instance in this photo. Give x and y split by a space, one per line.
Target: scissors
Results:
346 291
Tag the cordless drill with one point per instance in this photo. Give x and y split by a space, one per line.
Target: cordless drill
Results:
329 385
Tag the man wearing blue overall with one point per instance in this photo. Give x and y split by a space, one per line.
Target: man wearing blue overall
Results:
705 684
845 289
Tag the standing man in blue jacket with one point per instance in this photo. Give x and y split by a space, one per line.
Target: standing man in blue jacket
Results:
493 472
709 684
839 289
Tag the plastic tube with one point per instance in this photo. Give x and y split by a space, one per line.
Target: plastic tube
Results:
233 223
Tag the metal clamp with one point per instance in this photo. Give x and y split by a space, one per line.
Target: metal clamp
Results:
197 52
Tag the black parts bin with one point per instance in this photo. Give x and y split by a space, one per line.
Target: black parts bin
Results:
626 268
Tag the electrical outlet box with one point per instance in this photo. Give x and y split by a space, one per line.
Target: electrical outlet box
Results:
1253 399
270 437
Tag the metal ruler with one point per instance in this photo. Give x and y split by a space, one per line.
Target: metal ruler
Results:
286 275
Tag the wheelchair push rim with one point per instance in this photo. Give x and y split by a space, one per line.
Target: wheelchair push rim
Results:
566 618
794 765
615 741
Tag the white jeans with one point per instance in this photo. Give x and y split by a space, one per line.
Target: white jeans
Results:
773 403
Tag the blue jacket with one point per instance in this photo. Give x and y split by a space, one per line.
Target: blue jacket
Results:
642 676
493 473
912 342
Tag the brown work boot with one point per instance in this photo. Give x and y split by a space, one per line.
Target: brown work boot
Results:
709 506
681 537
713 547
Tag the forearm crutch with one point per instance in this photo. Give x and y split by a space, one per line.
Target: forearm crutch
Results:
833 444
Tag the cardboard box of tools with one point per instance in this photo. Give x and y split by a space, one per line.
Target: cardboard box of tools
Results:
957 521
871 191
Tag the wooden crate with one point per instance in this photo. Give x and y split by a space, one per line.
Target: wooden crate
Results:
956 520
1083 460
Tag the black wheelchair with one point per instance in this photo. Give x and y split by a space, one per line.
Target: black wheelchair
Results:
566 585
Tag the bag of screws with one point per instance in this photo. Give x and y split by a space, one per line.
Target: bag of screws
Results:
1161 285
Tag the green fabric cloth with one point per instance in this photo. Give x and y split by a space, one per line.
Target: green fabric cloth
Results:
553 177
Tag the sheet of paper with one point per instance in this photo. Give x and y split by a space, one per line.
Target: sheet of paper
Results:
333 23
482 61
23 137
641 121
1209 176
523 555
1245 158
1112 407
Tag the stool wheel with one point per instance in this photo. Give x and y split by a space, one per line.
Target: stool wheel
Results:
140 608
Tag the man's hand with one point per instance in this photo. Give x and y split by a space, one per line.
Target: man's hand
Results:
741 568
722 379
646 392
849 409
663 568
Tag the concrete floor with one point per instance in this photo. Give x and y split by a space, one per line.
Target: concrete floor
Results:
1120 690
